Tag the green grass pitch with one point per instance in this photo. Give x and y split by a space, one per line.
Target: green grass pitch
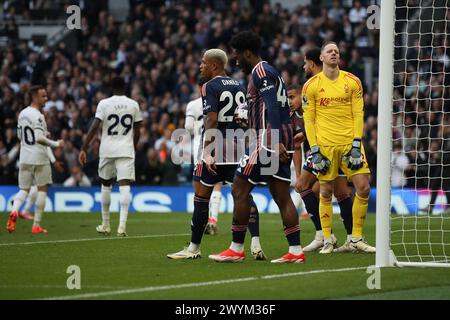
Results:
35 266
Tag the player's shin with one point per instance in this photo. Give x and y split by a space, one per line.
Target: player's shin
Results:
106 201
19 199
238 231
346 206
40 205
199 221
125 200
312 206
326 215
31 199
360 206
214 207
253 222
293 237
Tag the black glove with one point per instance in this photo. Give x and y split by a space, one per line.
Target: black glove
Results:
354 157
319 161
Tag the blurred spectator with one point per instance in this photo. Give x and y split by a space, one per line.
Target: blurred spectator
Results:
77 178
149 171
158 49
400 163
358 13
60 176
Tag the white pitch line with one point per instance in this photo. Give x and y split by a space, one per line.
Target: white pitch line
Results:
198 284
31 286
95 239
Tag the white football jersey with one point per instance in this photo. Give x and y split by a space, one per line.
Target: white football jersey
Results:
30 120
195 109
118 115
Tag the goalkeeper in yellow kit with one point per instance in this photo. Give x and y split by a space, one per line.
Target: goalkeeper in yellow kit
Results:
334 118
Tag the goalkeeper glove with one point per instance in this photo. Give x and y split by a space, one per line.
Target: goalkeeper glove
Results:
354 156
319 161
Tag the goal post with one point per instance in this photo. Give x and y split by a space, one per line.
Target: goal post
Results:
385 91
413 123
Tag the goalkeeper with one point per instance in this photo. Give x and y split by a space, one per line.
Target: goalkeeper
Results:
334 118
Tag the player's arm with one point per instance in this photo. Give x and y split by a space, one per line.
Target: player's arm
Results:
136 133
91 133
297 159
137 125
320 162
268 88
52 158
309 112
210 120
43 140
357 109
355 160
190 119
99 117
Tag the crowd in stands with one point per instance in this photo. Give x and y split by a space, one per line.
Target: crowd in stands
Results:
158 50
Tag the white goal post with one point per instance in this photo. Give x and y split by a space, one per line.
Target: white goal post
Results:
414 238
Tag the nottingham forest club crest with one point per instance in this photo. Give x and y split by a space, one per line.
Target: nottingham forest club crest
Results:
346 88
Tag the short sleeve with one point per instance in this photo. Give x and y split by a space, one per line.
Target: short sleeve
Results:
209 99
138 116
99 114
39 124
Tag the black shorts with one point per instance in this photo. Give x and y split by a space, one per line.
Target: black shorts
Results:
258 166
225 174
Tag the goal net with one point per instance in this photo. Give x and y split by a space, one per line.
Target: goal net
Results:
419 134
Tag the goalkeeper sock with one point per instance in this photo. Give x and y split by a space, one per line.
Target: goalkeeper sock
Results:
199 218
346 213
32 196
106 202
40 205
326 215
312 206
125 200
253 221
19 199
214 205
360 206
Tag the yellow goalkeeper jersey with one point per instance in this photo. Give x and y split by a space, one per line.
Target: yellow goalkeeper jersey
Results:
333 110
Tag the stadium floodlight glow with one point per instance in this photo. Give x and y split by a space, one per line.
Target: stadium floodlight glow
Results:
412 72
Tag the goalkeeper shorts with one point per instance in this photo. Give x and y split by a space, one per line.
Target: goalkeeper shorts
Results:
336 154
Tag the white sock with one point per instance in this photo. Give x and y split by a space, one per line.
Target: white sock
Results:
125 200
255 242
214 205
237 247
32 195
19 199
349 237
295 250
319 234
106 202
193 247
39 207
298 202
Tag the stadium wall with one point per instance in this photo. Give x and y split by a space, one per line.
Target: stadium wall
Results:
179 199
